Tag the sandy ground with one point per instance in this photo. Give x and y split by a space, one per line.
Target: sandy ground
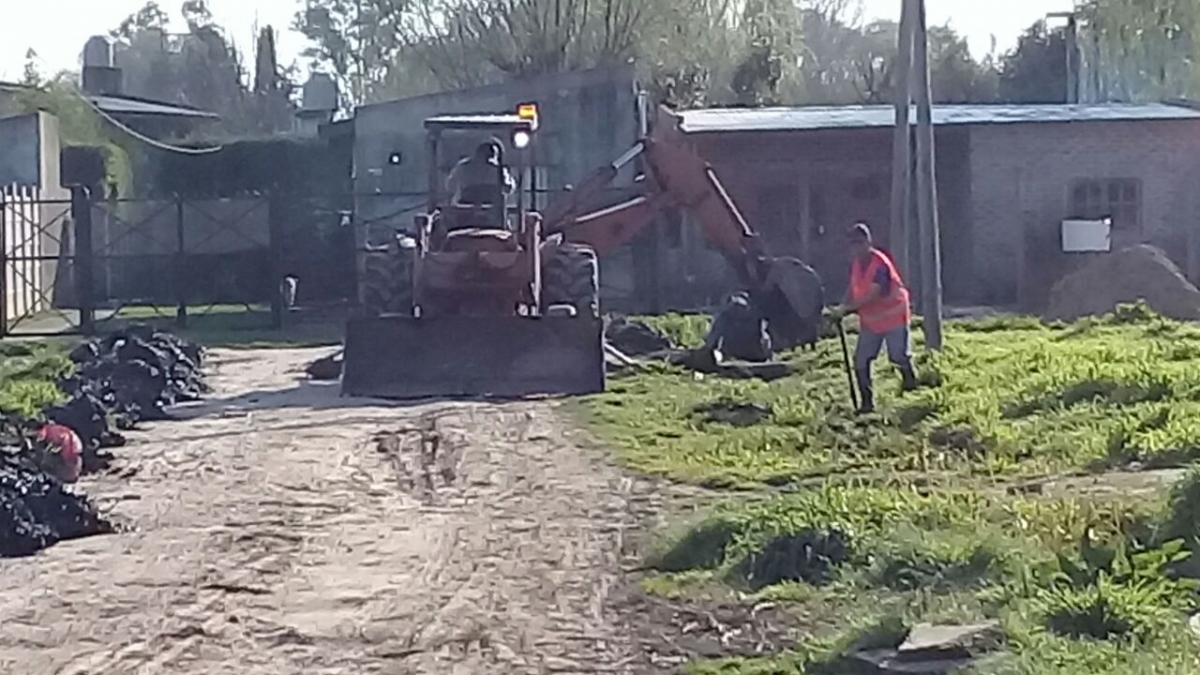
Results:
273 530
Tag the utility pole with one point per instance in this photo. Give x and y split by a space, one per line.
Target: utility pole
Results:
359 54
927 200
901 231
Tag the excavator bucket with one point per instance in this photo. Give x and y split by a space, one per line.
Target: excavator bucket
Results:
400 357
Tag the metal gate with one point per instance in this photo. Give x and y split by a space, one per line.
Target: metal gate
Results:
38 265
185 261
74 264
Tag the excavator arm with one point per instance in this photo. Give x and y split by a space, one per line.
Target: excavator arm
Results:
675 176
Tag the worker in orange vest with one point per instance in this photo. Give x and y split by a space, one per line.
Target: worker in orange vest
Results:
881 300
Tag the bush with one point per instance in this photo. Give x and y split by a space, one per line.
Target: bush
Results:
702 547
938 560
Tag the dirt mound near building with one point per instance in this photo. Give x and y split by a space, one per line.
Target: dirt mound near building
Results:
1139 273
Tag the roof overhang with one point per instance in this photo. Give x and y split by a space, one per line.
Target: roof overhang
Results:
125 106
480 123
826 118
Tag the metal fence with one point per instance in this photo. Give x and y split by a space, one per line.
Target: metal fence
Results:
74 263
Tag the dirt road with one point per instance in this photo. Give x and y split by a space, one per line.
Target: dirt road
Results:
272 534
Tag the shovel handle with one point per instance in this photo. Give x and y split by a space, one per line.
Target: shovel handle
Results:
846 360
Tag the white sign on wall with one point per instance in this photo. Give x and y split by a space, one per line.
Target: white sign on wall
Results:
1087 236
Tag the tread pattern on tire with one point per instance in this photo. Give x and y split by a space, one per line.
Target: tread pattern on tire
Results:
385 283
571 276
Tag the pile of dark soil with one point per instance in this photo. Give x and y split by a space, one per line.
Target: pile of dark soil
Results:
127 377
326 368
635 338
122 379
37 511
734 413
1142 273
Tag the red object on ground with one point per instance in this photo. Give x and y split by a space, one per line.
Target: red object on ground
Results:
70 447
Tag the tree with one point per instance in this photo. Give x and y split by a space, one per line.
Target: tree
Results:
690 52
955 74
1145 50
687 51
847 63
357 41
770 48
31 76
202 68
272 91
1035 71
149 17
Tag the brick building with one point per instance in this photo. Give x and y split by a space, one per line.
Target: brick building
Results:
1007 177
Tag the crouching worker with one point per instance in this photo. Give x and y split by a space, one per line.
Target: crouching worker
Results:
881 300
738 332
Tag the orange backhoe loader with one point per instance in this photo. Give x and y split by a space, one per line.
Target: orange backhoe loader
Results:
491 299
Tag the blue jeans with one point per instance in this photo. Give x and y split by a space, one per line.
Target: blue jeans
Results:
870 344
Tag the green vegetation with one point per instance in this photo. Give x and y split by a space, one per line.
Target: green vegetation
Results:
1007 399
79 125
233 326
28 371
980 497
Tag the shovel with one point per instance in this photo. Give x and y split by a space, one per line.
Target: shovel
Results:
846 360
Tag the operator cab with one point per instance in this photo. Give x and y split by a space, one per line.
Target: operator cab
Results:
477 193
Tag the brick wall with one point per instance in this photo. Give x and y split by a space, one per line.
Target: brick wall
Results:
1003 191
802 190
1021 177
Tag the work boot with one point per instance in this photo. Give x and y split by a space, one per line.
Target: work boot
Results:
909 381
866 403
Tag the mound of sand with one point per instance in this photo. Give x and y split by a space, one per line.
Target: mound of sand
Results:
1139 273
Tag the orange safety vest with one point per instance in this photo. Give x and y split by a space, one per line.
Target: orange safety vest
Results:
889 312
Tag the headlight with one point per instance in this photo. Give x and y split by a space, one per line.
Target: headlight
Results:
521 139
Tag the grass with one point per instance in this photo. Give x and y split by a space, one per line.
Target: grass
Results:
867 526
235 327
28 370
1006 399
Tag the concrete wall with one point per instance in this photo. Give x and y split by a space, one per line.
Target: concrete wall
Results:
35 217
587 120
1021 179
20 150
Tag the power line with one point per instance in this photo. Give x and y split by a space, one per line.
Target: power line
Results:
144 138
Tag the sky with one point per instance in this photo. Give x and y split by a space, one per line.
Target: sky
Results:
57 29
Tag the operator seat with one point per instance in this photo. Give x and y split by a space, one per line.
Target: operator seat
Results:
481 240
476 207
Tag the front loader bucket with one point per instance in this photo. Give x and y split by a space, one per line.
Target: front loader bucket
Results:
400 357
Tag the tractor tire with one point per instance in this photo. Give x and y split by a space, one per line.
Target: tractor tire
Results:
571 276
385 283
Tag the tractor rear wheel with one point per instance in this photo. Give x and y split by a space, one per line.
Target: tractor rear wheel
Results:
571 276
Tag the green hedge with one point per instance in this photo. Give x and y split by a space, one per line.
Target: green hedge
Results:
276 165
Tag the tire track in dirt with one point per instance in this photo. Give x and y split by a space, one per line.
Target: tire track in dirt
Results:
276 530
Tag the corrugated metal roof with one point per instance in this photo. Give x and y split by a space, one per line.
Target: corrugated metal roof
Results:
121 105
865 117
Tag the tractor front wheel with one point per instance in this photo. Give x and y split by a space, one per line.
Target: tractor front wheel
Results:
571 276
